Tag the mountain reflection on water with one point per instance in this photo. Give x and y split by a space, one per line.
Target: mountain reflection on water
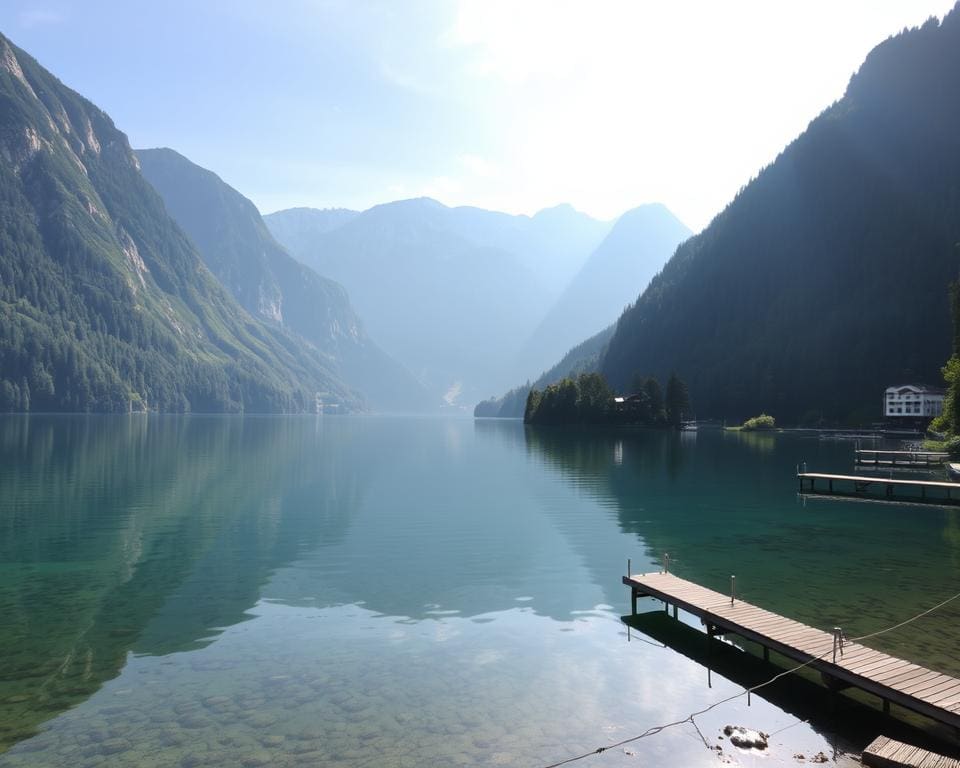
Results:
152 536
142 534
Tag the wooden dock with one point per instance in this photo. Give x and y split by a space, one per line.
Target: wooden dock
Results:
900 459
889 753
841 663
866 487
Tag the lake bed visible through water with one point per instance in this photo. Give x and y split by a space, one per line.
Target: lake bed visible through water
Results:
375 591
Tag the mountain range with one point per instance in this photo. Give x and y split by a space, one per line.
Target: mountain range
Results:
238 248
105 304
141 281
823 282
450 308
457 293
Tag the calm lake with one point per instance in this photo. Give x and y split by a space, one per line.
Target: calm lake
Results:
193 591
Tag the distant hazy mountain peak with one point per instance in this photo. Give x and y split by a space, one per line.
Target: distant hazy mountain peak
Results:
648 215
410 203
557 211
306 209
637 245
647 208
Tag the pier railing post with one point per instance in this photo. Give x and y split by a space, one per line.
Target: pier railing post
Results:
629 574
666 562
733 589
837 642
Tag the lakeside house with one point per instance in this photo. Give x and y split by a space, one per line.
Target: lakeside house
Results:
915 401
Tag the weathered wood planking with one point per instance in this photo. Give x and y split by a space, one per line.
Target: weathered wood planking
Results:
884 752
909 685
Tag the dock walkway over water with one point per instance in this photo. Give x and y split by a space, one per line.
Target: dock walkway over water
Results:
841 663
865 486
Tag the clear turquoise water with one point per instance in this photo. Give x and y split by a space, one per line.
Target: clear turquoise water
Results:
415 592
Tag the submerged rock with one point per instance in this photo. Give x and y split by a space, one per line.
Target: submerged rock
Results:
745 738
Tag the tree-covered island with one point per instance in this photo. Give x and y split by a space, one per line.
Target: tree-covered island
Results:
588 399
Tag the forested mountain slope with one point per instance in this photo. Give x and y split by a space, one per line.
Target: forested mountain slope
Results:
239 249
825 280
105 304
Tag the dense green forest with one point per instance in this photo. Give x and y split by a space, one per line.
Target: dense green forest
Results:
588 399
104 302
822 282
948 422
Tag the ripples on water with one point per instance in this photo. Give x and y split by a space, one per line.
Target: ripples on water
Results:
294 591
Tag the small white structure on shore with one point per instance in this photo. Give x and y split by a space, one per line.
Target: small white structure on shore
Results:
913 401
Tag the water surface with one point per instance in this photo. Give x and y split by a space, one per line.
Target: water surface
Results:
182 591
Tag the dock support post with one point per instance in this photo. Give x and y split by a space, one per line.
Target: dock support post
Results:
629 574
766 654
733 589
886 706
633 602
674 611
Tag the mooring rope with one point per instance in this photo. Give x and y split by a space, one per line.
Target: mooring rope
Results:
747 691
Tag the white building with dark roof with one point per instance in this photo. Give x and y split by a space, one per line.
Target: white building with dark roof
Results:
915 401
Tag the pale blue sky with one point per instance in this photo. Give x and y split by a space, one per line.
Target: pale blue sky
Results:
513 105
